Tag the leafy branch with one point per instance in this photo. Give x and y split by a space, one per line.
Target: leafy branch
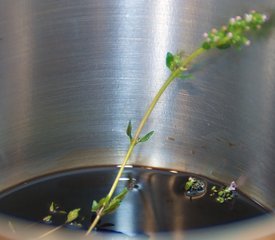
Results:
143 139
109 206
71 216
234 34
224 193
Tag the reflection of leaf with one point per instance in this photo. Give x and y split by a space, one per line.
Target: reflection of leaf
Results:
221 193
188 185
76 224
52 207
72 215
146 137
104 225
47 218
94 206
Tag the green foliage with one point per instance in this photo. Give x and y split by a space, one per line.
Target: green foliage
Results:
231 35
223 194
47 219
174 61
146 137
110 206
129 131
94 206
54 210
97 205
223 46
115 202
72 215
206 45
169 60
234 34
53 207
194 187
189 183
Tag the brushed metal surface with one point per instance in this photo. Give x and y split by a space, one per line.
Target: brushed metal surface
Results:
72 73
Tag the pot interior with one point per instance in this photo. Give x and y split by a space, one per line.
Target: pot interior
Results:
74 73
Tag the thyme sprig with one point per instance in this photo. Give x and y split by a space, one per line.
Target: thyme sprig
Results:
224 194
234 34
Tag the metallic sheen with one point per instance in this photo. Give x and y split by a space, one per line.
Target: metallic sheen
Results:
73 73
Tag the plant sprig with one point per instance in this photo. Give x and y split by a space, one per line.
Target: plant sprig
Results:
224 194
194 187
143 139
234 34
54 209
112 205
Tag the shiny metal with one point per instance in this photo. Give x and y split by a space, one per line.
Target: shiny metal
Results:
72 73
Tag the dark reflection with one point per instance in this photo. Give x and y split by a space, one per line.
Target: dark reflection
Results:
156 201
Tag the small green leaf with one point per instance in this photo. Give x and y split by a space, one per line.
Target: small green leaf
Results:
129 130
115 202
62 212
206 46
72 215
94 206
220 193
223 46
47 218
52 207
169 60
121 195
146 137
101 202
188 185
97 205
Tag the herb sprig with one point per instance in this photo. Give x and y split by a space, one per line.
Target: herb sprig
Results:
234 34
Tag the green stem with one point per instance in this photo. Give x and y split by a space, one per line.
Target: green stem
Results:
169 80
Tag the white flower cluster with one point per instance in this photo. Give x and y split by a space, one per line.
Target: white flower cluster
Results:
234 32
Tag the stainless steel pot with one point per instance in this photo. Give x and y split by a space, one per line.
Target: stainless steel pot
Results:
72 73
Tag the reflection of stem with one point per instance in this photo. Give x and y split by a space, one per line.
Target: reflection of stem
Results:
169 80
11 227
49 232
